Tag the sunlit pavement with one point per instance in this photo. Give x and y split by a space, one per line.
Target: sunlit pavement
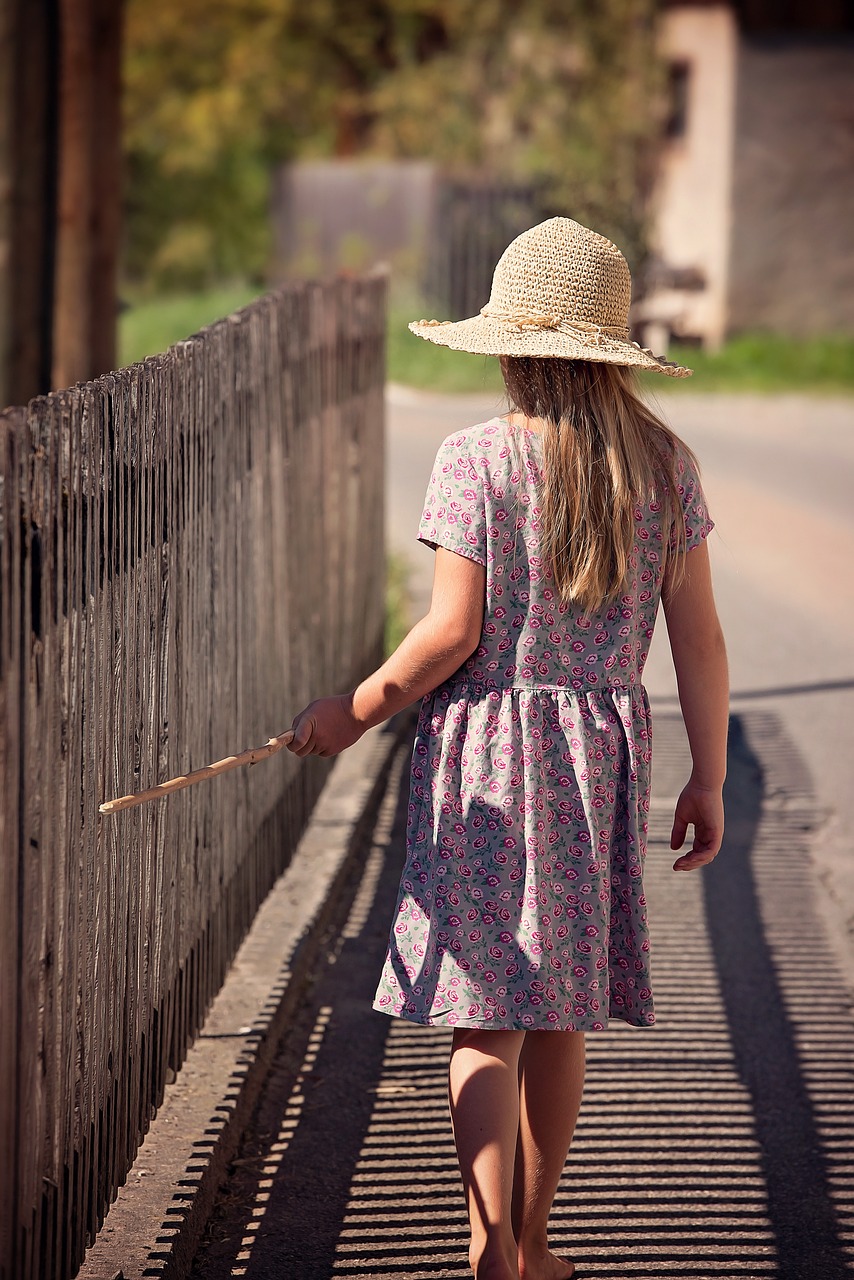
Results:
720 1143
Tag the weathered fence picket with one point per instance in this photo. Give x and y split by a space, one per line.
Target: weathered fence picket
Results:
189 549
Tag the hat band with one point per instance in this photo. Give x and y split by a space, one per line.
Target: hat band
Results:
587 329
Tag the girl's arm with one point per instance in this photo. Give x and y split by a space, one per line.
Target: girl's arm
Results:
699 656
434 649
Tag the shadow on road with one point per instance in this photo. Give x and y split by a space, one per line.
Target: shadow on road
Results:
706 1146
764 1042
283 1208
773 691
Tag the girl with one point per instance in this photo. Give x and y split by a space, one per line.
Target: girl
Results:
521 919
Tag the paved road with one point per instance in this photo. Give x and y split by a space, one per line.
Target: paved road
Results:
721 1143
718 1144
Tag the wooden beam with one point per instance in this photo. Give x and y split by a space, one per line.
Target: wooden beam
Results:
73 298
60 192
89 193
107 184
28 157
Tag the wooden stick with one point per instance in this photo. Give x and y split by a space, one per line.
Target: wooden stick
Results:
270 747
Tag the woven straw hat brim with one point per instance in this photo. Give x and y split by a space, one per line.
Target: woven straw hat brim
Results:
481 335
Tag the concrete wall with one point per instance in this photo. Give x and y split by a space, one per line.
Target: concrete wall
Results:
330 215
792 251
691 203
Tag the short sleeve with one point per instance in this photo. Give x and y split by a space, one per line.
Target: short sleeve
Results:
454 515
695 512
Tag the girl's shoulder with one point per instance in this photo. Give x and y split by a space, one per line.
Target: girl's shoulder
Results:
686 469
484 438
491 450
684 457
685 496
676 461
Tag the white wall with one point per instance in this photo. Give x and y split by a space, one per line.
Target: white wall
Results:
692 200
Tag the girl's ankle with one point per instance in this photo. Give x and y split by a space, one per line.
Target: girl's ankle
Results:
531 1252
494 1259
532 1244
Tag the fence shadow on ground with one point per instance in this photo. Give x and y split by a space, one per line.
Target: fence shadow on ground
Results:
766 1015
292 1181
715 1145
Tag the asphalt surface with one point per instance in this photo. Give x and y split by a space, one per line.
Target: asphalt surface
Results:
720 1143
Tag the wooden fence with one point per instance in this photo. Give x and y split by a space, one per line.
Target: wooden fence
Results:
474 220
190 549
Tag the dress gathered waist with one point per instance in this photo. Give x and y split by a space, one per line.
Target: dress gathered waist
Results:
479 686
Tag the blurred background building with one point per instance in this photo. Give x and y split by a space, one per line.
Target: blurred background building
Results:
753 206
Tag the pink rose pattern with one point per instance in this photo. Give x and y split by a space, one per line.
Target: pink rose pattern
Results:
521 902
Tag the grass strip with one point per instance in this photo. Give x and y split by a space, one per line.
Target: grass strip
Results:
759 362
769 363
397 602
149 326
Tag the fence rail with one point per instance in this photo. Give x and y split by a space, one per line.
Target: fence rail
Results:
189 549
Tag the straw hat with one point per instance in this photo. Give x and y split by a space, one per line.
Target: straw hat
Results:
558 290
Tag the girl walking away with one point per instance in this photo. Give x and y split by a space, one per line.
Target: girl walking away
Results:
521 918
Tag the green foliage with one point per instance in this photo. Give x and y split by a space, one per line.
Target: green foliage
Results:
217 91
188 231
201 88
153 324
397 620
416 363
565 93
765 362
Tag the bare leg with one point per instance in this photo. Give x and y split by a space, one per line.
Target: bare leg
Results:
551 1078
483 1083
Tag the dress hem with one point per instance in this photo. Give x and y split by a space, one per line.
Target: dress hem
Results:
591 1025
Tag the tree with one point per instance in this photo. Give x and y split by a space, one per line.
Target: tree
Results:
60 183
559 91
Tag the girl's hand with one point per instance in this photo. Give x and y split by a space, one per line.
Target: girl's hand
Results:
703 809
435 648
326 727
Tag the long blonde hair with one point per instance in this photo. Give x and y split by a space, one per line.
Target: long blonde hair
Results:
604 451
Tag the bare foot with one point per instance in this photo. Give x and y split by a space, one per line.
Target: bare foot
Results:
544 1265
493 1263
489 1271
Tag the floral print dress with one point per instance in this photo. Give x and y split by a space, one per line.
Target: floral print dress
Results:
521 902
